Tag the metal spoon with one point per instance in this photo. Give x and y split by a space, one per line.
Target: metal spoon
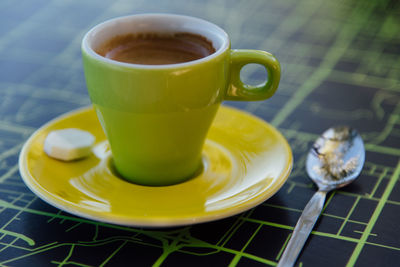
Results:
335 160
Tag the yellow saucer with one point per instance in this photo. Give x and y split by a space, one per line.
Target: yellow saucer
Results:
245 162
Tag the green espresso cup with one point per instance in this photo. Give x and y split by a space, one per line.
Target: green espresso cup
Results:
156 117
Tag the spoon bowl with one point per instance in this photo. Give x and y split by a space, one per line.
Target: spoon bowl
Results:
335 160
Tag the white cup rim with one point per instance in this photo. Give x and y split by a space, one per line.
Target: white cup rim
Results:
212 32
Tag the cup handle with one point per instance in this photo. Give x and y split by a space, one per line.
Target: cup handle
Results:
241 91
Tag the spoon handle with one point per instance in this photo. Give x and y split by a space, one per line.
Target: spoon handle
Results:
303 229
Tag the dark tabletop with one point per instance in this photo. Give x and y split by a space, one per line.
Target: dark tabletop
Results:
340 65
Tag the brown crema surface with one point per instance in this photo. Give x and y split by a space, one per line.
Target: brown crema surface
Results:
155 48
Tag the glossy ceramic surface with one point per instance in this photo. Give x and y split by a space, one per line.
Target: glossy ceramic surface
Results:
245 161
156 117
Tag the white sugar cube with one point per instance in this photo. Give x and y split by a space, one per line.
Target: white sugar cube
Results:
68 144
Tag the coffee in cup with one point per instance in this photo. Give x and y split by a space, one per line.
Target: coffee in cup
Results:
156 49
